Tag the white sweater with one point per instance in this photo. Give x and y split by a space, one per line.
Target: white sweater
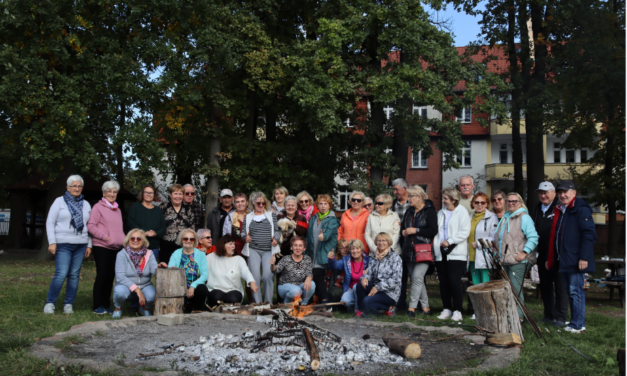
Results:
457 232
226 273
390 223
58 225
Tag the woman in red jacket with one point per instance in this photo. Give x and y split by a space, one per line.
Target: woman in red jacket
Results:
354 221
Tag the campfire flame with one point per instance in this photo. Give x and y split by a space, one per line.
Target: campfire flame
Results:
299 311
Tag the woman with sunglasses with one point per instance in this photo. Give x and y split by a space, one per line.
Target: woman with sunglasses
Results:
148 217
205 242
301 224
295 273
194 262
498 203
369 205
517 237
135 265
178 217
306 206
261 235
354 221
482 226
385 220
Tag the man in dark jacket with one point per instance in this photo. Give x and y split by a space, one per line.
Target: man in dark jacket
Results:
552 287
217 215
573 236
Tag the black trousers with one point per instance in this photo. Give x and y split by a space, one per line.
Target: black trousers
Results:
554 292
198 301
402 300
319 278
166 250
450 275
105 274
216 295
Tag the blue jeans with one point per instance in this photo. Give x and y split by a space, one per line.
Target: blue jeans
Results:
378 302
350 298
289 292
122 294
156 253
67 264
576 298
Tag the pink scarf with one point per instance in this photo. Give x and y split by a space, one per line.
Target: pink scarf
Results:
306 213
112 207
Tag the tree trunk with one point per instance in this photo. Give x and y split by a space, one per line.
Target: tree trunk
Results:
402 346
612 230
495 307
377 132
515 108
170 289
400 148
251 120
271 118
119 151
213 180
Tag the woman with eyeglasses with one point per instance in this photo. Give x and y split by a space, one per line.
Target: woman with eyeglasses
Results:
295 273
194 262
498 204
306 206
261 235
178 217
517 237
383 220
69 242
135 265
107 232
353 222
235 220
301 224
369 205
278 200
148 217
205 242
482 226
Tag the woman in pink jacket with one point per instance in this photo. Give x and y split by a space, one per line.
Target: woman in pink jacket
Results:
105 227
354 221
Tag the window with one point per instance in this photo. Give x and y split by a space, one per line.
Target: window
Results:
389 110
417 161
584 156
557 153
420 111
570 156
503 154
464 158
348 120
343 198
424 188
466 115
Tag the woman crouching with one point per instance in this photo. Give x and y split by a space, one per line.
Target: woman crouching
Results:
296 273
354 267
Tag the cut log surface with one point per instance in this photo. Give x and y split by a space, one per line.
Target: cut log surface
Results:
163 306
503 339
170 283
495 307
402 346
313 350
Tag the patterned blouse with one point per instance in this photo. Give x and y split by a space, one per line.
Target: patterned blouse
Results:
176 222
293 272
192 271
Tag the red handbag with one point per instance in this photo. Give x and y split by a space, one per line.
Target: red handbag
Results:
422 252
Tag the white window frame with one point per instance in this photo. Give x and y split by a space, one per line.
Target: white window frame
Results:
460 158
420 160
466 119
420 111
388 109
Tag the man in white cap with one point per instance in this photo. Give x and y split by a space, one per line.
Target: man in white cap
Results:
217 215
552 285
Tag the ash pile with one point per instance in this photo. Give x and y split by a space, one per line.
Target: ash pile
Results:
290 345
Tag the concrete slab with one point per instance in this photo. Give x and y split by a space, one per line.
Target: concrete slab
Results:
171 319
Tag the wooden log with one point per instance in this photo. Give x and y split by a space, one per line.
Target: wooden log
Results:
495 307
402 346
313 350
503 339
170 283
163 306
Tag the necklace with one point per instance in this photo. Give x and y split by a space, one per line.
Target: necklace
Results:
360 271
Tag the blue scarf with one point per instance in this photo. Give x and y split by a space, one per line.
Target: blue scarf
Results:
75 204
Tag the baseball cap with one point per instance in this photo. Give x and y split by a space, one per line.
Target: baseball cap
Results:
565 185
546 186
226 192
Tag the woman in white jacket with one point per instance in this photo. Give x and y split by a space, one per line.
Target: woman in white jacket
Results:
450 248
385 220
482 226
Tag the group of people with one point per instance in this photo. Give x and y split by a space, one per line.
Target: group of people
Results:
363 258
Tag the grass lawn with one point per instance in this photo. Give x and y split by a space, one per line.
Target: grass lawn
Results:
24 285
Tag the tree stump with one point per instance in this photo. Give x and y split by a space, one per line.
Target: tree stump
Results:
402 346
171 288
495 307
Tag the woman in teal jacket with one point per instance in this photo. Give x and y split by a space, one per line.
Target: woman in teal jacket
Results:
322 239
194 262
517 237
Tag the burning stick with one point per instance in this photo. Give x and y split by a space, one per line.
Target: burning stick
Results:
313 350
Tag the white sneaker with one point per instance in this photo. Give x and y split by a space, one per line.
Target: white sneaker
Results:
49 308
457 316
575 331
445 315
67 308
473 316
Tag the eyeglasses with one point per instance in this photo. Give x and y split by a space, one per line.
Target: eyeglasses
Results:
190 193
76 186
112 192
497 199
412 195
356 200
480 202
380 203
149 193
188 239
512 202
207 237
260 203
304 201
136 239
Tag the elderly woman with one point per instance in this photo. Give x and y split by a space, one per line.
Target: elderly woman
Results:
482 226
380 287
205 241
107 231
306 206
335 278
322 239
354 266
261 234
295 280
278 199
69 242
226 271
178 217
144 215
419 226
235 220
194 263
383 220
301 224
369 205
135 265
498 204
354 221
517 237
451 252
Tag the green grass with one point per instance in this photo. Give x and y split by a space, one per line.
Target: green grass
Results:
24 285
